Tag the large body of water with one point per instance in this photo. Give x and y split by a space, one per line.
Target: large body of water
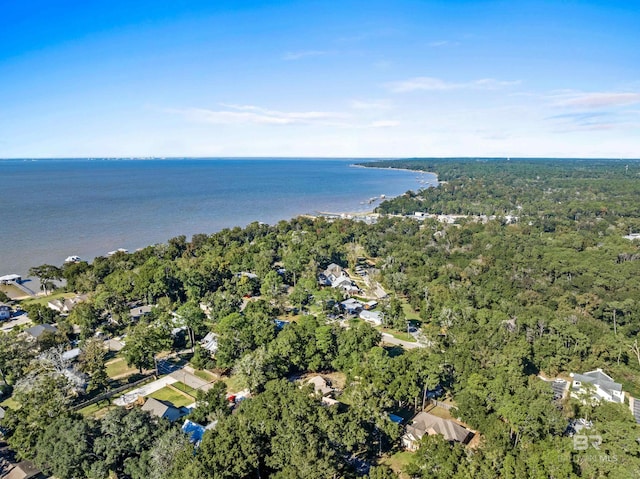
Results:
52 209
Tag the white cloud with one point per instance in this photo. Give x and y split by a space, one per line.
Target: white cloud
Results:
370 104
290 56
437 84
251 114
597 99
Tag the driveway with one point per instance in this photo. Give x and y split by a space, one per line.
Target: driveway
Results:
387 338
144 391
18 321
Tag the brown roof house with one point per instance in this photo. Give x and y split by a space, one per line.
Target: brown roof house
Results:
23 470
425 423
320 385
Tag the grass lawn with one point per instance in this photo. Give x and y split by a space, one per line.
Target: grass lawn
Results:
98 409
177 398
10 403
233 384
440 412
12 291
206 375
180 386
43 300
398 461
409 313
118 368
399 335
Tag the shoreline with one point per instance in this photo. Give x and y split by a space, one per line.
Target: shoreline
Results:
102 234
387 168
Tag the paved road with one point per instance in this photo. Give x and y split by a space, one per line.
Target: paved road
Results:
166 367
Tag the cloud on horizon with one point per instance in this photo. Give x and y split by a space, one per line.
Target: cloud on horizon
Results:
251 114
437 84
370 104
254 115
597 99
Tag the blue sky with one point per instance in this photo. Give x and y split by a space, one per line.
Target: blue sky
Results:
341 79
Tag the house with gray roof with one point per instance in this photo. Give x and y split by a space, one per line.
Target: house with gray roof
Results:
34 332
139 311
320 385
603 387
162 409
425 423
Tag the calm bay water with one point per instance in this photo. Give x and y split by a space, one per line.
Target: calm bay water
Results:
52 209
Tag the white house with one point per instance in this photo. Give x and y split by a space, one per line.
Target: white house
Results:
334 271
210 343
351 306
373 317
10 278
65 305
604 387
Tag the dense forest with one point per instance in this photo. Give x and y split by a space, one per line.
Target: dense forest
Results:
530 276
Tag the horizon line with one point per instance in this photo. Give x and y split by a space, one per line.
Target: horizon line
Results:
399 158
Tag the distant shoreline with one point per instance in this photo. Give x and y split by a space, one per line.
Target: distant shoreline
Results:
396 169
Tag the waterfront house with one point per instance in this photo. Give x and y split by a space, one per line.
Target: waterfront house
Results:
5 312
426 423
65 305
10 278
602 386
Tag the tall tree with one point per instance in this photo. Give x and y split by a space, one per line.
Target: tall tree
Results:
143 342
47 274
